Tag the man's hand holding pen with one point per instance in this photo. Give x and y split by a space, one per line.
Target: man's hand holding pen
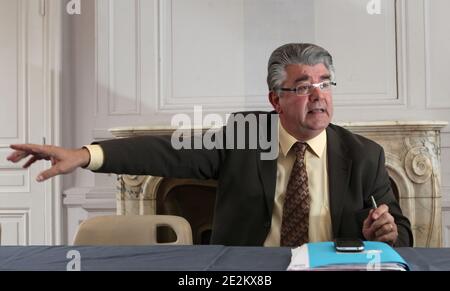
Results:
380 225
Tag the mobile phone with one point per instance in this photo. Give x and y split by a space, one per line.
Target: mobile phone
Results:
349 245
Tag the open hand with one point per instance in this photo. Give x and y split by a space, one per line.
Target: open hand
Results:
63 160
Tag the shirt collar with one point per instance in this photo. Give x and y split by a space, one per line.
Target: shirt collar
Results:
316 144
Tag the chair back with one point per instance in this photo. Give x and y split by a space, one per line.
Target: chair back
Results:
131 230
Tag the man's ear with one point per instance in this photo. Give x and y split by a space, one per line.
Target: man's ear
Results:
275 101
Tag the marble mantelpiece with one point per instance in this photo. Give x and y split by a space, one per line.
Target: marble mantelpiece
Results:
412 159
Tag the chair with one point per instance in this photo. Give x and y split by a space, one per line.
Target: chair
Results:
131 230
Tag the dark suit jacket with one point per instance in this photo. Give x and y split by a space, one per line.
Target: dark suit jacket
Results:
246 184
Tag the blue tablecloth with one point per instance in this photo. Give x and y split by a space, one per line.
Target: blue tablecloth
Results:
183 258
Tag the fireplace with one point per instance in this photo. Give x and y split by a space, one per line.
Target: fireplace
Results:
412 161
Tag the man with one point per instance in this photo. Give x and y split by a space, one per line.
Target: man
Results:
319 188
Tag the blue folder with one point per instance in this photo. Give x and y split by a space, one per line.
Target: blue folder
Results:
375 255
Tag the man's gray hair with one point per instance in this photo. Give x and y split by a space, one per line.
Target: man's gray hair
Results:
295 53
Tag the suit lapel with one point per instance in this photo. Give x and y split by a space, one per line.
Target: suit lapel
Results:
268 176
267 169
339 168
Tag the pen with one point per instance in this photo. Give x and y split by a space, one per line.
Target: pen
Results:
374 203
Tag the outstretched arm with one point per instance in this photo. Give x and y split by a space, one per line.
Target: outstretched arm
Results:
63 160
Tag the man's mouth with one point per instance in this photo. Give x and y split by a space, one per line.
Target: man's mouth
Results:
318 110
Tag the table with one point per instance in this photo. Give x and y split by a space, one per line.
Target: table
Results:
181 258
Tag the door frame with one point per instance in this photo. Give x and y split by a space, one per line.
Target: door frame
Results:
52 10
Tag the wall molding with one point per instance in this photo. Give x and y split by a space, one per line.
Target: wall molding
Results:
112 96
105 67
170 104
21 135
52 88
167 103
21 218
22 64
400 99
428 81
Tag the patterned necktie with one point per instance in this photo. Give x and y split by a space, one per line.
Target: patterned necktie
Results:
295 221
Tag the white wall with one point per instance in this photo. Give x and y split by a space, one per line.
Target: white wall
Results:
391 66
79 88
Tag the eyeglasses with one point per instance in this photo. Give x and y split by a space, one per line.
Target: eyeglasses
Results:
307 89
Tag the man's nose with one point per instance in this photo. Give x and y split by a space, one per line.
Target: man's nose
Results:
316 94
